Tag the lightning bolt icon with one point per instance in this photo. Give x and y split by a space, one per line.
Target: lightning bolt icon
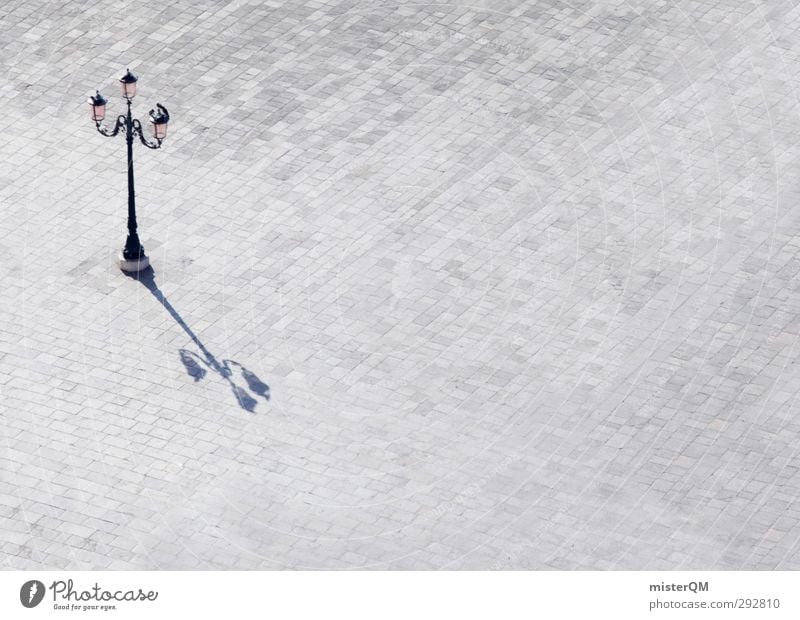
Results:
32 593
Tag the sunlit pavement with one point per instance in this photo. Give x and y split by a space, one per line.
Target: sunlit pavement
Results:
435 287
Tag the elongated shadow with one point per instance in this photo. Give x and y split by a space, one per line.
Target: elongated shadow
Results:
196 365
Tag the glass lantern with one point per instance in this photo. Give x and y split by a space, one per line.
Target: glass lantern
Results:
159 118
97 103
128 84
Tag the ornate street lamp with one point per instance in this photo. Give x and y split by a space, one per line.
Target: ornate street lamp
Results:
132 258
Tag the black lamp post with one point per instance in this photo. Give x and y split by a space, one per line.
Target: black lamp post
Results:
132 257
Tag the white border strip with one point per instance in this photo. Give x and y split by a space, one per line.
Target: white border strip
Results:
400 595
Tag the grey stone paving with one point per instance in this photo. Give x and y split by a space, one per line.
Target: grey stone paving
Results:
521 278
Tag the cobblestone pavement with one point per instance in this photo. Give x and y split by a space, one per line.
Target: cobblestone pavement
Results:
437 286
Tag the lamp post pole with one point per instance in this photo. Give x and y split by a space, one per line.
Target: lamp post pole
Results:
132 258
133 250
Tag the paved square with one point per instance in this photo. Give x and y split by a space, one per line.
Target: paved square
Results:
506 285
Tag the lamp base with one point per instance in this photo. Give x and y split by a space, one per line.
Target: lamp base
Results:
133 266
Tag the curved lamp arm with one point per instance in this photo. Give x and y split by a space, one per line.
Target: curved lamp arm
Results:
110 133
139 131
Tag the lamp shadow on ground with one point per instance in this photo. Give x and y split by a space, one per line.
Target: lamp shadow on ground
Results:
196 365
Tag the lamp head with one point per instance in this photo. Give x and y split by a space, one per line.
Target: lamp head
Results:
128 84
97 104
159 118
